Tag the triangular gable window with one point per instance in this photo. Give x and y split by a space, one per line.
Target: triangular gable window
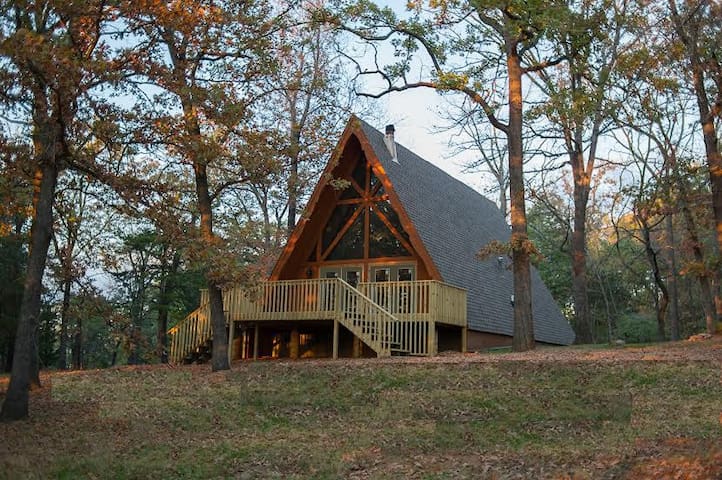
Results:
387 210
363 224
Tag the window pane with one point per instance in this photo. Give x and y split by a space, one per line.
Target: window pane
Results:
338 219
383 243
352 277
351 244
381 275
390 214
406 274
359 173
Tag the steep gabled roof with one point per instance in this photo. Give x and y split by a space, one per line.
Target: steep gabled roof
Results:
454 222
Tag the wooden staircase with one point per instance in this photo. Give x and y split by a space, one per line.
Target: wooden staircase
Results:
323 298
191 338
367 320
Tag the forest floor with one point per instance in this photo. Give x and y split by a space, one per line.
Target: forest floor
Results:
576 413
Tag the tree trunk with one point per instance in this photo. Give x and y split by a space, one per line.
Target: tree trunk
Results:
714 157
672 279
654 265
708 307
688 30
25 361
523 322
293 175
63 349
579 252
219 359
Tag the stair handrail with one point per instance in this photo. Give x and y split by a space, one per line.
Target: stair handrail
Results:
382 344
187 335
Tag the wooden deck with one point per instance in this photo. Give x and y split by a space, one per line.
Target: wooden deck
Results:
390 317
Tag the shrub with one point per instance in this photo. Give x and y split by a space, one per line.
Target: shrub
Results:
637 328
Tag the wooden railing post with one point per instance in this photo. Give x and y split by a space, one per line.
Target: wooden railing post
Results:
431 347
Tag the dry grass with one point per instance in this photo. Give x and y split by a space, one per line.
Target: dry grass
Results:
651 412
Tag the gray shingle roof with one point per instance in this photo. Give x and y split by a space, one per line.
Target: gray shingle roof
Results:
454 221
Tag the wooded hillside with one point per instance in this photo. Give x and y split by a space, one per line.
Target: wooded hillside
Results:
625 413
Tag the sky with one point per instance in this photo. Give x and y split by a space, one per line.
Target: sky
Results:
415 116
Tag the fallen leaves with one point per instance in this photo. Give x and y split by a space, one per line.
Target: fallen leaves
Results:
575 413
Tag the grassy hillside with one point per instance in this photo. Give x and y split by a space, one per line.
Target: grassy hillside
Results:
650 412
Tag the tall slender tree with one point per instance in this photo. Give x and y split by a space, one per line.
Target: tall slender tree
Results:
49 55
580 96
697 26
207 59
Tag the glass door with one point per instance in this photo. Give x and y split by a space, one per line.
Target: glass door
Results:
389 291
351 274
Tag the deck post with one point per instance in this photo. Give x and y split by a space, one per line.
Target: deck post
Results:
335 338
231 333
463 339
294 343
356 349
256 333
431 348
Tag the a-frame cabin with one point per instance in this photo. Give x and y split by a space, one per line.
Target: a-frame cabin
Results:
382 262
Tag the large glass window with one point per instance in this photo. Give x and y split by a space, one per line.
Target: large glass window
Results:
382 274
382 242
406 274
351 244
338 219
375 222
385 208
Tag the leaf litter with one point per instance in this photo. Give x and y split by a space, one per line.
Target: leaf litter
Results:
562 413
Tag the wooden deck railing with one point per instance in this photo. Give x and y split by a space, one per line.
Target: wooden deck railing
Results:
427 300
283 300
190 333
389 316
